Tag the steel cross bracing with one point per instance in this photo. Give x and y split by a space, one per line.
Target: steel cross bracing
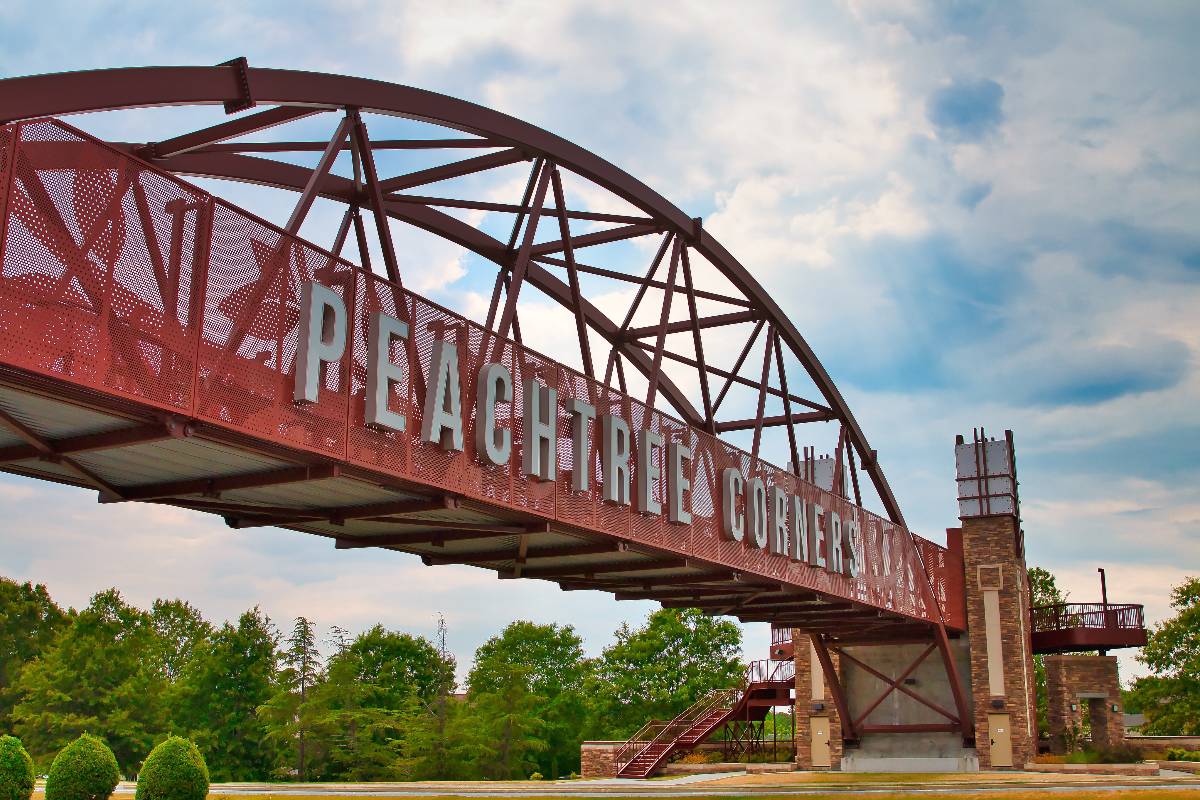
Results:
696 319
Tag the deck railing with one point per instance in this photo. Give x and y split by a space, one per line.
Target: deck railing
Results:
1064 616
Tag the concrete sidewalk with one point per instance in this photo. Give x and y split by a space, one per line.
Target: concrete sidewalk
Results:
726 784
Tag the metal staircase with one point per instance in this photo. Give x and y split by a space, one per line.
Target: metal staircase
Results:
658 740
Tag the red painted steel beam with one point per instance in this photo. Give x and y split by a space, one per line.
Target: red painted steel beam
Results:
773 421
317 147
458 169
432 538
46 451
309 194
738 379
683 326
895 684
834 682
531 553
509 208
241 126
956 684
338 515
599 237
641 280
570 570
94 442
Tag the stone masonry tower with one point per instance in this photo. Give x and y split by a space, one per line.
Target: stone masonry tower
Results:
998 599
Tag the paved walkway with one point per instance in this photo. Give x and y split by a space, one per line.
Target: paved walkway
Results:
728 784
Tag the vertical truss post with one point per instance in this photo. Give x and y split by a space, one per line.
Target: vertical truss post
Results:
502 275
838 478
339 241
375 197
522 260
854 476
633 307
698 344
762 393
737 365
318 174
834 682
663 317
564 233
787 405
956 688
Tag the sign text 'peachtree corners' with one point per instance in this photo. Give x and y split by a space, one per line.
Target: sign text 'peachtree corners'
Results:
752 512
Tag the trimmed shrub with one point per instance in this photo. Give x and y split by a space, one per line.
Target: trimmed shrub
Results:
16 770
174 770
84 770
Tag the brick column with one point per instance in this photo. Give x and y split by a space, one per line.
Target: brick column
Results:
814 701
1091 684
598 759
996 586
997 594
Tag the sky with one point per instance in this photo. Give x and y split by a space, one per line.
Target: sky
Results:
978 215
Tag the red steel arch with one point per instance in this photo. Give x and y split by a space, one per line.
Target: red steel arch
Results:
296 94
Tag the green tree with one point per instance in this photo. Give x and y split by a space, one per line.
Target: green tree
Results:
16 770
551 660
174 770
399 665
29 621
659 669
1170 695
100 676
285 713
510 731
217 697
1044 591
376 685
353 724
179 631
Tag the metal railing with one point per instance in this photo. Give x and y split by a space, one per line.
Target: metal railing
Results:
659 732
781 635
764 670
1064 616
669 732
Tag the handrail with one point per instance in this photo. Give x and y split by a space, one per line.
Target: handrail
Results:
756 672
781 635
1063 616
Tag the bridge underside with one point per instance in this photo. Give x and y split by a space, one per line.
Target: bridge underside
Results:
127 453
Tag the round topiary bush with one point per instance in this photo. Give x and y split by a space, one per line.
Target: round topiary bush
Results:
174 770
84 770
16 770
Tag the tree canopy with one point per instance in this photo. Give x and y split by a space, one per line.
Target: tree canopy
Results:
658 670
377 705
1170 695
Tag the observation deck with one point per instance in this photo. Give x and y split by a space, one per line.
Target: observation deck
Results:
1072 627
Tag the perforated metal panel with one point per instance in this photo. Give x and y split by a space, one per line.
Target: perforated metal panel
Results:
98 276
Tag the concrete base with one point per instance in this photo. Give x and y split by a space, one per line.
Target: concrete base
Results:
910 752
967 762
723 766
